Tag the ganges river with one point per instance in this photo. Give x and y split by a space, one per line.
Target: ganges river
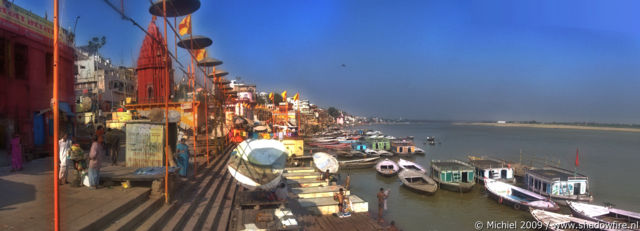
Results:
610 159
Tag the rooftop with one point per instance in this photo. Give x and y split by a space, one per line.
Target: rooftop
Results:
488 163
451 165
551 173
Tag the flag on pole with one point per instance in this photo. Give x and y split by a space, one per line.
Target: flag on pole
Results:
271 96
200 54
296 96
185 25
577 160
284 95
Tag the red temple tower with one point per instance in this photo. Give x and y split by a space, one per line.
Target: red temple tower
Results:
151 84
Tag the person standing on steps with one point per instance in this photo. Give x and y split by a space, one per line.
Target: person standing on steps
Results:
64 145
382 197
95 158
183 157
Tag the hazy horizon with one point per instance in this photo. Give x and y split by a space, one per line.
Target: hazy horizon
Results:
454 60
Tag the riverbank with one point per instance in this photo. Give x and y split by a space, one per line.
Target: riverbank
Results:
553 126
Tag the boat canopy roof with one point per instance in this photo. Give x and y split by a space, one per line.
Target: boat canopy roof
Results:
488 163
448 165
554 173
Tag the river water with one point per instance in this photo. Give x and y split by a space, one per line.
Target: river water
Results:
610 159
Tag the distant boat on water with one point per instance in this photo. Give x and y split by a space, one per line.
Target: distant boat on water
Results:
387 167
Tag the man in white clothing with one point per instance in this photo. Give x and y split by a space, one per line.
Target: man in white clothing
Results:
65 150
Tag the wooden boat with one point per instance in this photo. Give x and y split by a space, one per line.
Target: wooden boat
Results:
603 214
387 167
408 165
324 162
417 181
492 169
403 147
516 197
556 221
384 153
453 175
359 163
258 164
418 151
559 184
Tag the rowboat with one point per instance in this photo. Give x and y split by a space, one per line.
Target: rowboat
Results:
417 181
324 162
384 153
258 164
387 167
359 163
556 221
517 197
408 165
603 214
419 151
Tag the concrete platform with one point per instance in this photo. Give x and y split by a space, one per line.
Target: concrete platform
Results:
301 175
328 206
316 192
300 169
306 182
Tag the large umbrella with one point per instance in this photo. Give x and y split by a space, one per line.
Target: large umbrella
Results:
258 164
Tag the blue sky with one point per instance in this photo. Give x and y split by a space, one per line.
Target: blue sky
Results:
459 60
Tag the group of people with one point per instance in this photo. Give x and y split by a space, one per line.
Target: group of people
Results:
72 155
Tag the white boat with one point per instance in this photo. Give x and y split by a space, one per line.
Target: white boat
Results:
324 162
405 164
604 214
556 221
516 197
384 153
387 167
258 164
419 151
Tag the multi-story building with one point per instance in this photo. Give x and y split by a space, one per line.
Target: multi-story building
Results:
26 78
107 85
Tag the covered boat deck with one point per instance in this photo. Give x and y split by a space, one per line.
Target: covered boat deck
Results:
554 173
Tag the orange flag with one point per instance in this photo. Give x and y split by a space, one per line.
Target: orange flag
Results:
284 95
271 96
200 54
185 25
296 96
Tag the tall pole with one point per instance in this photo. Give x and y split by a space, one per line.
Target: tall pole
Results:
206 113
166 105
56 117
193 109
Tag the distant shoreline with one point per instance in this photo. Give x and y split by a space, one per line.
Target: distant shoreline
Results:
556 126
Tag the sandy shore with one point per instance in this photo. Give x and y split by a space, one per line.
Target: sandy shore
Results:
556 126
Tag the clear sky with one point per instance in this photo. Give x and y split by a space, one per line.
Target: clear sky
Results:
539 60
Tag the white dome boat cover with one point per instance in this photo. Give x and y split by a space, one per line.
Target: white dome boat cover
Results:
258 164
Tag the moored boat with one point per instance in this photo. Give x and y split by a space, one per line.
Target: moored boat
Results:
516 197
418 181
359 163
559 184
384 153
556 221
408 165
604 214
402 147
324 161
387 167
489 168
453 175
418 151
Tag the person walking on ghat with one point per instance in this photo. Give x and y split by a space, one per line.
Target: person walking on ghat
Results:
64 145
95 156
16 153
183 157
381 198
341 201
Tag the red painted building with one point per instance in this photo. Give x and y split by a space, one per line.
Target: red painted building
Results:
151 84
26 77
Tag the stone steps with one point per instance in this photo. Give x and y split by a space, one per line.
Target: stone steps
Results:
328 206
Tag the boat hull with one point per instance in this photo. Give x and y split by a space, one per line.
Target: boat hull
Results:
456 187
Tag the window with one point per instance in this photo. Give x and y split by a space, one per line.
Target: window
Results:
20 61
3 58
48 67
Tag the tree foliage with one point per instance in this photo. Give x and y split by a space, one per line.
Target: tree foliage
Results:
96 43
333 112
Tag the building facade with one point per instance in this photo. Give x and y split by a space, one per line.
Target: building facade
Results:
26 77
107 85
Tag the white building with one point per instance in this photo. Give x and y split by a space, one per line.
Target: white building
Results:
108 85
